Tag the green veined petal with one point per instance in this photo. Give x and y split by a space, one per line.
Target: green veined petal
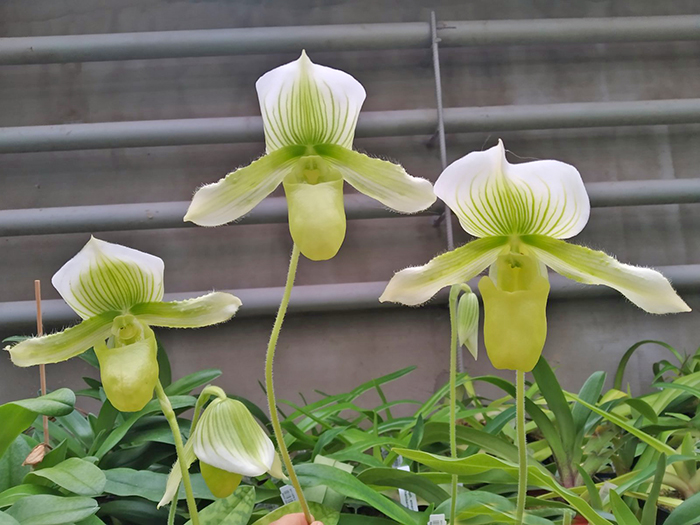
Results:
380 179
240 191
60 346
303 103
105 277
228 437
213 308
645 287
175 476
414 286
490 196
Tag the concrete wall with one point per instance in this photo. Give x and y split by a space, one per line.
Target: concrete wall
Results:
332 351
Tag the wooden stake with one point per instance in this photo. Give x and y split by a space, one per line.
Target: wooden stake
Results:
42 368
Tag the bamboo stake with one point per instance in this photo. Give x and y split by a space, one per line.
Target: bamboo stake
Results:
42 367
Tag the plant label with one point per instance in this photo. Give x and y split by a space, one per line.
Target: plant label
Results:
288 494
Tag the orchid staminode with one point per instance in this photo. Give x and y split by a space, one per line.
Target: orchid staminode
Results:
118 293
309 114
520 214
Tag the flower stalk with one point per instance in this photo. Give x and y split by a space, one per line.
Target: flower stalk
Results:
269 385
454 320
522 445
170 416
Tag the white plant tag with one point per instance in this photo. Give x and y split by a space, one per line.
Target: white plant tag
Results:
408 499
437 519
288 494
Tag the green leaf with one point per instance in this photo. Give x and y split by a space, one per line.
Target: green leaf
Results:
391 477
45 509
17 416
590 392
164 371
554 395
361 519
643 408
466 500
319 512
620 372
135 511
686 513
186 384
593 494
649 511
53 457
149 485
12 471
75 475
6 519
311 475
437 431
14 494
621 511
620 422
153 406
481 463
234 510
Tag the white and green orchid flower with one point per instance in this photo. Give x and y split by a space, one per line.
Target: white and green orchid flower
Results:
309 114
228 443
468 320
118 293
520 214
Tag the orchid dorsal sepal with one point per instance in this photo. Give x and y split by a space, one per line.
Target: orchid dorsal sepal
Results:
118 292
309 115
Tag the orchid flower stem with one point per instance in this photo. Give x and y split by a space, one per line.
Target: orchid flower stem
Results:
169 414
454 294
271 401
522 446
172 512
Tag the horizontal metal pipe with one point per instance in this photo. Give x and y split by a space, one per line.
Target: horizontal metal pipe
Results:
106 135
20 315
159 215
242 41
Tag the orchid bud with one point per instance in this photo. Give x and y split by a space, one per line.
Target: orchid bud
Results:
468 321
515 321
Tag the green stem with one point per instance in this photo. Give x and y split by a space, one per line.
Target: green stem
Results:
172 511
169 414
522 446
271 401
454 293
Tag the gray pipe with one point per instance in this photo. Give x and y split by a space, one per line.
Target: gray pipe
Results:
106 135
241 41
158 215
21 315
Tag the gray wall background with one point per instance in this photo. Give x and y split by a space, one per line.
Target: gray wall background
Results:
334 352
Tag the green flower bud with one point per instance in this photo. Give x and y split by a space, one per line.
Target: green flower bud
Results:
128 364
468 321
515 321
316 208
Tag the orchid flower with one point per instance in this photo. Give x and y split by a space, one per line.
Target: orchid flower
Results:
309 114
228 443
520 214
118 293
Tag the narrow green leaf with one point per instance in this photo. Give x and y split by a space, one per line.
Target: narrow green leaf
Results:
391 477
590 392
344 483
18 492
643 408
649 511
45 509
74 475
12 471
593 494
149 485
54 457
134 511
686 513
554 395
6 519
620 422
359 519
186 384
435 432
164 371
623 514
620 372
